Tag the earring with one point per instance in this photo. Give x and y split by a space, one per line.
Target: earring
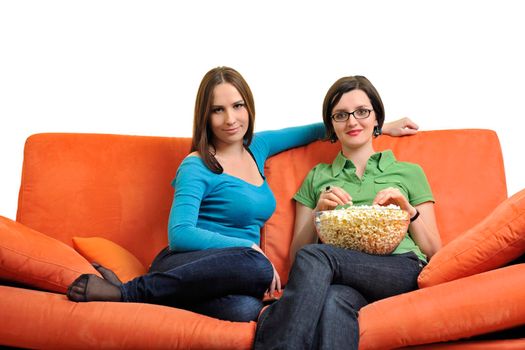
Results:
377 131
333 139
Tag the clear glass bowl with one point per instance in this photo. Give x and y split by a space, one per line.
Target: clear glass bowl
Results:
370 229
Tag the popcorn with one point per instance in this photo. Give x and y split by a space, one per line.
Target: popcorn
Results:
370 229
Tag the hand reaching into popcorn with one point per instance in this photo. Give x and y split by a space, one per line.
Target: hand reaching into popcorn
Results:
392 195
331 197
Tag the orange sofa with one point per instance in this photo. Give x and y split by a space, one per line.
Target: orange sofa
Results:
87 197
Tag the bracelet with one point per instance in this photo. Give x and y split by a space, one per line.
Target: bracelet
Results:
416 215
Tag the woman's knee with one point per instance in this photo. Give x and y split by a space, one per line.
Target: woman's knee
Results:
261 267
341 307
236 308
248 309
315 254
344 297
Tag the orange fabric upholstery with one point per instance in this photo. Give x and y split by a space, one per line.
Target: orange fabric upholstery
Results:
40 320
37 260
119 188
110 255
496 240
112 186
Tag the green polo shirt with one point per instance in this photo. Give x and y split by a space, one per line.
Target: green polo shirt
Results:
382 171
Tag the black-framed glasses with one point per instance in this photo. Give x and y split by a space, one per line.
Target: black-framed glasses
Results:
360 113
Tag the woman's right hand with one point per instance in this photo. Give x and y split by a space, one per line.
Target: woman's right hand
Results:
331 197
276 281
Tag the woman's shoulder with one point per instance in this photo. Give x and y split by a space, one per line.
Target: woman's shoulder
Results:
320 170
322 166
192 158
193 154
192 161
407 165
388 159
409 168
193 170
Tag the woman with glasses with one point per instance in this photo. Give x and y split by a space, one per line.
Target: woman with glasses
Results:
328 285
213 264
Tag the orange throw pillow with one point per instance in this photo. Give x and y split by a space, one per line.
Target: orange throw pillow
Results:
110 255
492 243
37 260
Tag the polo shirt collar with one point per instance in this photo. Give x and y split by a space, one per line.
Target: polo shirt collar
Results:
379 160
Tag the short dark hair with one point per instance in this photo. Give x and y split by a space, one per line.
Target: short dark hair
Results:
344 85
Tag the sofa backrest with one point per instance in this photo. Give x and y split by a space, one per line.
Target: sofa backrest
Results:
119 187
112 186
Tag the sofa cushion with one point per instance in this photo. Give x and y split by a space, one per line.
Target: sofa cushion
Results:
112 186
32 258
110 255
495 241
40 320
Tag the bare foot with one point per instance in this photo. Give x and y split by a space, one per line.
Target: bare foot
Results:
108 275
88 287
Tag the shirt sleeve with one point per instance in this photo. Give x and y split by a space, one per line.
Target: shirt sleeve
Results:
419 190
268 143
191 185
306 194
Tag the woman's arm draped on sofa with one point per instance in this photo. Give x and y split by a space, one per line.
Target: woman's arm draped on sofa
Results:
280 140
194 182
272 142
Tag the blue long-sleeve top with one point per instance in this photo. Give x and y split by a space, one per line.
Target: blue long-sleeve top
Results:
219 210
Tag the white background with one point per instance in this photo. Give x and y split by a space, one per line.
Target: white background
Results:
133 67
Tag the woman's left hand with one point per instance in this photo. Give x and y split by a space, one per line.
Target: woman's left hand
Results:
276 280
392 195
276 283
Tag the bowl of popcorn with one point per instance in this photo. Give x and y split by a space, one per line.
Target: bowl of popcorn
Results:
371 229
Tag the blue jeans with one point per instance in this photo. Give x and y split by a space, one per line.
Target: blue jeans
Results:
326 289
224 283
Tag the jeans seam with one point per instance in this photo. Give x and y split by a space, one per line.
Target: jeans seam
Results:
260 323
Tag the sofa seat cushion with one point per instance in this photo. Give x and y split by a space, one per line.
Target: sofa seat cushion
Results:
37 260
110 255
62 324
495 241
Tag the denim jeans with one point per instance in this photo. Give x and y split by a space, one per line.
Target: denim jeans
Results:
224 283
326 288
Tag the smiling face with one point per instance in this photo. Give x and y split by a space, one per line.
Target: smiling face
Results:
354 133
229 119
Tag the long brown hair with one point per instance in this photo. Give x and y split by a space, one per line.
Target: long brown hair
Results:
342 86
202 133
